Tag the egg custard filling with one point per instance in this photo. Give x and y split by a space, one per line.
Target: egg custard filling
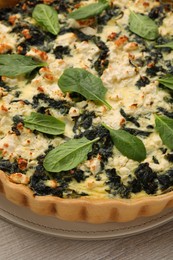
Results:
86 101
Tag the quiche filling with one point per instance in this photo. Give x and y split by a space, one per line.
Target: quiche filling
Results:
94 115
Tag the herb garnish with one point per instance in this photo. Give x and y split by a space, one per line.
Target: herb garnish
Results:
68 155
12 65
164 126
143 26
166 45
129 145
44 124
83 82
47 17
167 81
89 10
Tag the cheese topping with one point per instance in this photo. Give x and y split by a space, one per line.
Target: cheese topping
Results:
129 67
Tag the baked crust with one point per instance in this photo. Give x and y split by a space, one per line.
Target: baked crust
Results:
95 211
8 3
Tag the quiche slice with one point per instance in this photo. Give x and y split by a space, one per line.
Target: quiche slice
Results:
86 108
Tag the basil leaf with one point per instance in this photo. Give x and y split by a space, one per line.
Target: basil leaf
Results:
166 45
68 155
143 26
164 126
47 17
44 123
89 10
84 83
167 81
12 65
129 145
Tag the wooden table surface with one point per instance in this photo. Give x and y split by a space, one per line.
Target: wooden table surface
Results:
17 243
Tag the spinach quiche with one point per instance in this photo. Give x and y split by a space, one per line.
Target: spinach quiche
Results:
86 108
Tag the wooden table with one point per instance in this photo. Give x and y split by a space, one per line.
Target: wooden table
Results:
17 243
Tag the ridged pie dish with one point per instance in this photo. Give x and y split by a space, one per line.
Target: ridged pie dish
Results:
86 210
86 108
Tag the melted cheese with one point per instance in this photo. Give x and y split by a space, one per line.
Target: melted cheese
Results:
119 78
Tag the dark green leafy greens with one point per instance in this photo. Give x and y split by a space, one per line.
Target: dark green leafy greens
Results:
166 45
167 81
47 17
68 155
83 82
44 124
143 26
12 65
164 126
89 10
129 145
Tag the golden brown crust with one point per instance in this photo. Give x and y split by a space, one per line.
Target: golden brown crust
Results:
8 3
85 209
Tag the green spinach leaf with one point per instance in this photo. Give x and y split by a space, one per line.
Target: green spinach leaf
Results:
83 82
143 26
44 124
47 17
167 45
89 10
167 81
68 155
129 145
12 65
164 126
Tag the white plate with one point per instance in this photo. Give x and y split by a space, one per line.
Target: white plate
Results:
52 226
